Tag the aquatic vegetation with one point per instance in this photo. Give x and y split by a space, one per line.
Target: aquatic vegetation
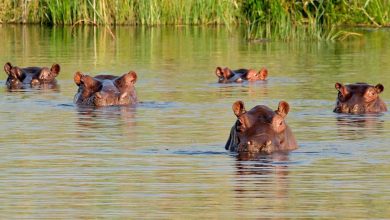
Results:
263 19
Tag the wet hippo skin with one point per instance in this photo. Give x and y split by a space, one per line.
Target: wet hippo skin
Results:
261 130
105 90
359 98
226 75
31 76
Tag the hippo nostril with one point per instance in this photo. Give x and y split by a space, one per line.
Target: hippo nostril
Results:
356 108
99 95
123 96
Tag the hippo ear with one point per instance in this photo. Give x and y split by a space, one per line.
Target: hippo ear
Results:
283 109
55 69
7 68
90 82
227 72
126 79
263 73
77 78
341 88
132 76
218 71
379 88
238 108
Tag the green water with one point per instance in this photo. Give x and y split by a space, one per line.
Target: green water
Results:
165 158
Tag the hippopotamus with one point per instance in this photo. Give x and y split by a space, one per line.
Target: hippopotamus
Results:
33 76
359 98
261 130
105 90
226 75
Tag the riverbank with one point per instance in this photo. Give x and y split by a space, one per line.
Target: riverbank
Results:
263 19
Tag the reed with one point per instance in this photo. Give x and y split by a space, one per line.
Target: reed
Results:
312 19
120 12
302 19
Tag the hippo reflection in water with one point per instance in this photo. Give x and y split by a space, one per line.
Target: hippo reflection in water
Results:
359 98
31 76
261 130
105 90
226 75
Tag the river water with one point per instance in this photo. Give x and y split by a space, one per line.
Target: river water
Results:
165 158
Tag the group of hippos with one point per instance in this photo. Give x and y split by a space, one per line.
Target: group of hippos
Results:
259 130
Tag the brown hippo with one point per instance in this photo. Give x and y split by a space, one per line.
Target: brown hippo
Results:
19 77
359 98
105 90
261 130
226 75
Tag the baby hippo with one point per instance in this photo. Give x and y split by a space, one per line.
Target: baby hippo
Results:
261 130
359 98
105 90
226 75
19 77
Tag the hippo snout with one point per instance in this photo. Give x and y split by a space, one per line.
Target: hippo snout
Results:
253 147
106 98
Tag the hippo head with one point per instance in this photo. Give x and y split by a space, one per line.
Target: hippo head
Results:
253 75
105 90
49 75
30 75
15 75
260 130
359 98
225 75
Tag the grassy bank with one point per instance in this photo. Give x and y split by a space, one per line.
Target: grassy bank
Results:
120 12
306 19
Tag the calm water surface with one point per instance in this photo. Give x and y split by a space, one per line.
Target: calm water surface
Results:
165 158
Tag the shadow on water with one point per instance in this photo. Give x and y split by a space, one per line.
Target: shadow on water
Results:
353 127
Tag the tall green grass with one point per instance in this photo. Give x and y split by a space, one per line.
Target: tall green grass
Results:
312 19
268 19
120 12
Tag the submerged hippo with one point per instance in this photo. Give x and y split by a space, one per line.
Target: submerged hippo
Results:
105 90
226 75
33 76
359 98
261 130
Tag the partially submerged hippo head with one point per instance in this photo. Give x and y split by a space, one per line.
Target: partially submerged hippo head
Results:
17 77
260 130
226 75
105 90
359 98
253 75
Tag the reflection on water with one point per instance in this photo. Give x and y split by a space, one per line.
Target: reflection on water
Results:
165 157
262 176
50 87
92 117
360 126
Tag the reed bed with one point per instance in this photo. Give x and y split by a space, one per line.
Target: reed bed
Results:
120 12
264 19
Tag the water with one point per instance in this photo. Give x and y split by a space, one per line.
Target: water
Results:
165 158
